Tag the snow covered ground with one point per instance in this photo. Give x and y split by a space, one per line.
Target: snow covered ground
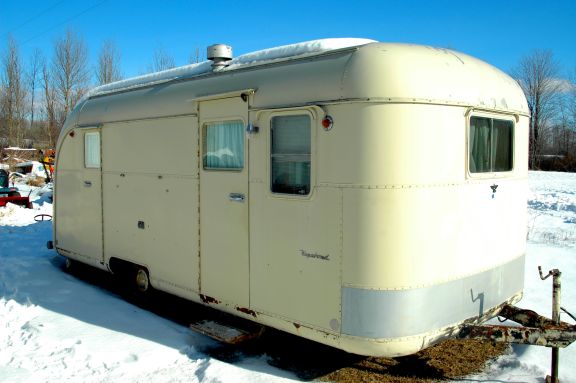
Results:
54 327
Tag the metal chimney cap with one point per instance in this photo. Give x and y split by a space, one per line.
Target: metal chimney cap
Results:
220 54
219 51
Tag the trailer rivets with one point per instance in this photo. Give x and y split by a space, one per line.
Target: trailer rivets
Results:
327 123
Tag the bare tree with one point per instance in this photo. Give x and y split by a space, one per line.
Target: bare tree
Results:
195 57
36 62
50 110
70 71
14 93
537 74
161 61
572 101
108 69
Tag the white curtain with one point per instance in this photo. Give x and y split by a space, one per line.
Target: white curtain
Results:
224 145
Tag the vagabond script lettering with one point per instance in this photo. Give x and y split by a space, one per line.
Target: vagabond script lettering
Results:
306 254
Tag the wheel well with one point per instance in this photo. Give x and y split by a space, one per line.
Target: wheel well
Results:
124 269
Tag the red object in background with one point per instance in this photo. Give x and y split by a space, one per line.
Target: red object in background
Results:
16 200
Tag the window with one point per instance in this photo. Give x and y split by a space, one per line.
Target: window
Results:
290 154
224 145
92 150
491 145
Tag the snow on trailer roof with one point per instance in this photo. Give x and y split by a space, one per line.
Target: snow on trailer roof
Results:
284 52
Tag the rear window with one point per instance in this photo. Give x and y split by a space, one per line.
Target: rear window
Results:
490 145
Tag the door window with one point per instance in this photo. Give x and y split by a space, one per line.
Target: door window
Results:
223 145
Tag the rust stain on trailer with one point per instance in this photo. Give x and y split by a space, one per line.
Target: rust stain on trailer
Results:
246 311
209 300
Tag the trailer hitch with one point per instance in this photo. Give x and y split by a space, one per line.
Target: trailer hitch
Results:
535 329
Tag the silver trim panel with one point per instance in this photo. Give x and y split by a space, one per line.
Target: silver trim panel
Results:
381 314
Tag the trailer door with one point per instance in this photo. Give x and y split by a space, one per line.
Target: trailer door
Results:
79 197
224 266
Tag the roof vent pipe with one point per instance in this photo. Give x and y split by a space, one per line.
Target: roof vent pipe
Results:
220 55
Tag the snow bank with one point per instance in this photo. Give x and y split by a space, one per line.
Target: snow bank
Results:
552 208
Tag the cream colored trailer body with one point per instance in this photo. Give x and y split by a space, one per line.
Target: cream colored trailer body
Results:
379 234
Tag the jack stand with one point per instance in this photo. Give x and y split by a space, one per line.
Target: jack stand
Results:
555 273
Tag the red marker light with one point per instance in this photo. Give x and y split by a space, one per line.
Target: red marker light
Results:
72 134
327 123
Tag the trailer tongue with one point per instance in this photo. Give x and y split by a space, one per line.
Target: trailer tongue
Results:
535 329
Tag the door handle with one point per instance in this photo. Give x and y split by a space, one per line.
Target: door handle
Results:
87 183
236 197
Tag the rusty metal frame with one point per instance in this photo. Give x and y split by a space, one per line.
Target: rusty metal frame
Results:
535 329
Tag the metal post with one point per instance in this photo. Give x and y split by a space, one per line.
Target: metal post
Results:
556 285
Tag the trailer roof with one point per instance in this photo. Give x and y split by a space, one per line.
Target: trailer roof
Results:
299 50
320 71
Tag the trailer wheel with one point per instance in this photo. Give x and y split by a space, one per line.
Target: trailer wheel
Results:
68 265
142 281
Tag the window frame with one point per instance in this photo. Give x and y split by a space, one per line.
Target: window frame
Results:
310 113
204 129
492 117
99 151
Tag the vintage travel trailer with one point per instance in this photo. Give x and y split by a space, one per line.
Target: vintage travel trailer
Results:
365 195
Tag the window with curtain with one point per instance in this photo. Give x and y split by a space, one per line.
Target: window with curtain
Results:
290 154
92 150
224 145
490 145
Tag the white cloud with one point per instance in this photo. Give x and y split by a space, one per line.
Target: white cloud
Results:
563 85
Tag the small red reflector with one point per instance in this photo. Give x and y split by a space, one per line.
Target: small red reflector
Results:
327 122
72 134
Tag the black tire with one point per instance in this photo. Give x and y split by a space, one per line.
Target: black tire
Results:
14 194
69 265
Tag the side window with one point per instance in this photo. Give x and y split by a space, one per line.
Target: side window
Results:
92 150
290 154
491 145
223 145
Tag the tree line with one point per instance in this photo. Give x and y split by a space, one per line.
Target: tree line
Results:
36 97
552 103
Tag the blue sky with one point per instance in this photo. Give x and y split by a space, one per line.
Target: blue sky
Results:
499 32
